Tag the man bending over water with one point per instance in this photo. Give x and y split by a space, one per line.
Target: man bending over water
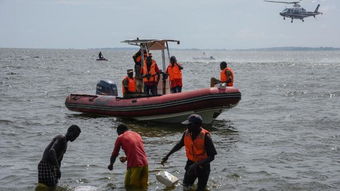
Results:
49 166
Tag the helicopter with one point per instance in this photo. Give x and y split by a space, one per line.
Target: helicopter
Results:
296 12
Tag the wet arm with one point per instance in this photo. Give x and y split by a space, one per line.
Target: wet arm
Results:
126 85
230 76
61 158
115 152
112 159
178 146
53 153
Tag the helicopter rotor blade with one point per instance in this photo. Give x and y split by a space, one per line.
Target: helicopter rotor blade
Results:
286 2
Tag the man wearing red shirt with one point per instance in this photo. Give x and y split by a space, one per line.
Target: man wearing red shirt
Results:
137 163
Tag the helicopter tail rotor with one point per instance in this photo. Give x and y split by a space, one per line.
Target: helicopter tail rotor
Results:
317 9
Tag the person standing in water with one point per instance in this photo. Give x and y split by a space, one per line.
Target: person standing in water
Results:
200 151
137 164
49 166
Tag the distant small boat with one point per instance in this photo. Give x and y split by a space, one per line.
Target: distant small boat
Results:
102 59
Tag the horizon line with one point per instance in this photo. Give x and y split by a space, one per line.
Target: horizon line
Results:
229 49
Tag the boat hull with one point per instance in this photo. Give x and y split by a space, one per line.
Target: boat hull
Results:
170 108
101 59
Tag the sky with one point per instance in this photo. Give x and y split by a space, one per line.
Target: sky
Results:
201 24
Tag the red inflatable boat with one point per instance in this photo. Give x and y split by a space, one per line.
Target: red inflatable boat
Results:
166 107
169 108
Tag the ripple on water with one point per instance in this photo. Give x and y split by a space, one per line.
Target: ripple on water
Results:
283 135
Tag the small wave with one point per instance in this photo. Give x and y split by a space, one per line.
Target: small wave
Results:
6 122
295 93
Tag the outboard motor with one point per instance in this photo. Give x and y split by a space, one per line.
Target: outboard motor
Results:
106 87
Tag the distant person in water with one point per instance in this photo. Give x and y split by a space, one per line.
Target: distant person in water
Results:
49 166
174 71
137 164
100 55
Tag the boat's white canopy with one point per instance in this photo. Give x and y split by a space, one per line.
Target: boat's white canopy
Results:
151 44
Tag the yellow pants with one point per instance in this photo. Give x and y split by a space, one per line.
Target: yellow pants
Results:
137 177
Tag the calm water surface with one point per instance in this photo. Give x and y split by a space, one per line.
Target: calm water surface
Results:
283 135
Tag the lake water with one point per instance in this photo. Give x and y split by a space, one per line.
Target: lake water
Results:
283 135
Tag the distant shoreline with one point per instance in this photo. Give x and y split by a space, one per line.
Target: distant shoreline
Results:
288 48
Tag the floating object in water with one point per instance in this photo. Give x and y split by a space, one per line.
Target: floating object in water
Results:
166 178
85 188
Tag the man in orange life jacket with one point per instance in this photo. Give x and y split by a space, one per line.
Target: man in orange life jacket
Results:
200 151
150 74
175 75
137 58
129 84
226 74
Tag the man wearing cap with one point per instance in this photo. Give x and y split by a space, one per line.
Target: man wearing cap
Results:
129 84
200 151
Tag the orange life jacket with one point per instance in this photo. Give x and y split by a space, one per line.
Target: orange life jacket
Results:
131 85
224 77
152 72
139 58
174 72
195 149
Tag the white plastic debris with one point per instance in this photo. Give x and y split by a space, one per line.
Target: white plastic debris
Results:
166 178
